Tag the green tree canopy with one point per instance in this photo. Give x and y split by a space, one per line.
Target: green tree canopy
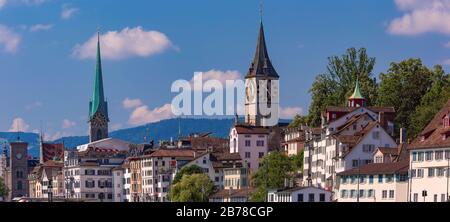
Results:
297 161
336 86
431 102
194 169
402 87
275 168
299 121
192 188
4 191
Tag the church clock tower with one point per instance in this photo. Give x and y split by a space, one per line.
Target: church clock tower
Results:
98 107
261 87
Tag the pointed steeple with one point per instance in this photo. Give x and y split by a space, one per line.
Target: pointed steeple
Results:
356 100
261 65
98 103
357 93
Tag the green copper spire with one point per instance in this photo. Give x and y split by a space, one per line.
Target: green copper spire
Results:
357 94
98 103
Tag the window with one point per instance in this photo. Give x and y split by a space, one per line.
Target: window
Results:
362 193
380 178
261 155
442 197
447 154
353 194
344 194
19 185
416 197
430 172
439 155
368 148
429 155
440 172
248 143
420 157
391 194
300 197
247 155
370 193
322 197
376 135
414 155
311 197
420 173
384 194
371 179
260 143
355 163
379 159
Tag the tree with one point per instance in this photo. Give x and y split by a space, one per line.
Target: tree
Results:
275 169
4 191
431 102
299 121
192 188
194 169
297 161
336 86
403 87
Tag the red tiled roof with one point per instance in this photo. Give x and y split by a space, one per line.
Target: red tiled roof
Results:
433 132
387 150
353 140
52 151
378 168
245 129
243 193
173 153
347 109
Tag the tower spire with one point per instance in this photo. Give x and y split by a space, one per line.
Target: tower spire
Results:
98 102
261 65
261 10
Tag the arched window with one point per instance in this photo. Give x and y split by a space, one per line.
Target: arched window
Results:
235 145
99 134
19 185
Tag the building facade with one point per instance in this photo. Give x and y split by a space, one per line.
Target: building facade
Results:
430 161
299 194
251 143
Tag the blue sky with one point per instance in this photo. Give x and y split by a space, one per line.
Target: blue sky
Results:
47 73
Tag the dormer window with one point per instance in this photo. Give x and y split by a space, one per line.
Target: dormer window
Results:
446 121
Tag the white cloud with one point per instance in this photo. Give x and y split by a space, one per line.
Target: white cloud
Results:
40 27
34 105
19 125
129 42
290 112
421 17
143 115
9 40
57 135
446 62
66 124
25 2
68 11
221 76
131 103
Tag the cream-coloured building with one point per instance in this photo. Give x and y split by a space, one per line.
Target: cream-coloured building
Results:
299 194
377 182
430 161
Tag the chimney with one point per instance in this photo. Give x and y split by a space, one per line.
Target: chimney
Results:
403 136
381 119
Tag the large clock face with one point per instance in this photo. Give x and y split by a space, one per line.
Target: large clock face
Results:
250 91
19 156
